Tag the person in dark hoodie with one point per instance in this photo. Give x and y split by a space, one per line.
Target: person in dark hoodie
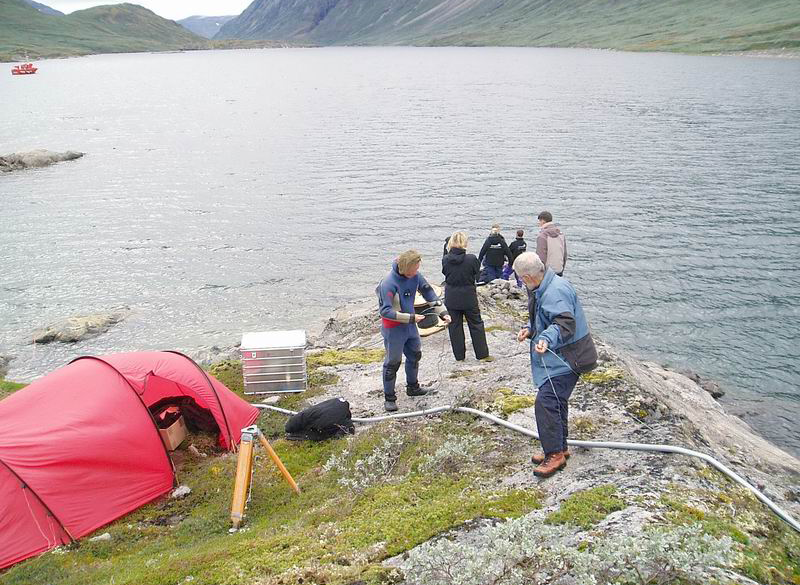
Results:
495 251
396 294
461 299
517 247
551 244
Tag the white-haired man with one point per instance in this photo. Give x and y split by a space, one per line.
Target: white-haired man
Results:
561 349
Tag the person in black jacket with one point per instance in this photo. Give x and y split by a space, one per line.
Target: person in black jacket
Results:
517 247
495 250
461 299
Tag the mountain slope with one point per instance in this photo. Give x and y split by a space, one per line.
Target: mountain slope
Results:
671 25
204 26
102 29
43 9
137 23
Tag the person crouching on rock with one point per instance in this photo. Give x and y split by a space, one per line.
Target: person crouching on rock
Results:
493 255
561 349
461 270
396 294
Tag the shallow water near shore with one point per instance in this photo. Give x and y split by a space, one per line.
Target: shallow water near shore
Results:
240 191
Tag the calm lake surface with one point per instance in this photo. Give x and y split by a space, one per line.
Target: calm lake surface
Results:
240 191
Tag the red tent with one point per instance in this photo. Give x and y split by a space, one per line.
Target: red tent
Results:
80 447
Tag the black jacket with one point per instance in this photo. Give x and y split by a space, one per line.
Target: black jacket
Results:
460 270
496 251
517 247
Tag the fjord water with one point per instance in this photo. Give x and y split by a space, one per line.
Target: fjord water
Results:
248 190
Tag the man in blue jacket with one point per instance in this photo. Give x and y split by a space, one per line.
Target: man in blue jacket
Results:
396 294
561 349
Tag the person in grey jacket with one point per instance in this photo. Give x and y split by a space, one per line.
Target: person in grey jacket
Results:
551 244
561 349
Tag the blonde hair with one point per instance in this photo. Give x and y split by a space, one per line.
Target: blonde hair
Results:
495 228
457 240
408 259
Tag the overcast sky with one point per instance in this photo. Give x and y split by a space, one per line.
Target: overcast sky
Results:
172 9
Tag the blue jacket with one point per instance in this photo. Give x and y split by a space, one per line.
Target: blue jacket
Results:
396 295
557 317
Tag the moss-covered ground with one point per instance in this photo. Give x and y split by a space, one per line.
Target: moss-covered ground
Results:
587 508
328 534
769 549
603 376
335 357
507 403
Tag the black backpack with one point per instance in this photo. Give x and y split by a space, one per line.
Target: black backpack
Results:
326 420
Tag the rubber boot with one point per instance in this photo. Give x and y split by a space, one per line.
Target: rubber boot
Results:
552 463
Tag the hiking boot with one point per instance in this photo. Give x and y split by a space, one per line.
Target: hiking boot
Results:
539 457
415 390
390 406
552 463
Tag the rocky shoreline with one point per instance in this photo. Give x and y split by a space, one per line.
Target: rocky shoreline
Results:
624 400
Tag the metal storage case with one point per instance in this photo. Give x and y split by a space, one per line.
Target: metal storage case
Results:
274 362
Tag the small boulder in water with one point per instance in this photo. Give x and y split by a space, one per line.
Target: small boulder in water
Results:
35 159
78 328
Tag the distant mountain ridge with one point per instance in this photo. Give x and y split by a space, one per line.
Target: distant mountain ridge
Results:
24 29
647 25
204 26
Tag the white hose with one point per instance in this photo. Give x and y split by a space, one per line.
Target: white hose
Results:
586 444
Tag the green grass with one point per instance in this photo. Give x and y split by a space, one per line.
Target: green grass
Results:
587 508
325 535
8 388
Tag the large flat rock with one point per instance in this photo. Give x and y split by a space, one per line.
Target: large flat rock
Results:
77 328
35 159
